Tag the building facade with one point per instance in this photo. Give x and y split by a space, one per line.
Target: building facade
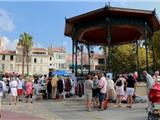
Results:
40 60
58 58
7 60
97 62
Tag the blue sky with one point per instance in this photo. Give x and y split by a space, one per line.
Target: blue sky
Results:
45 20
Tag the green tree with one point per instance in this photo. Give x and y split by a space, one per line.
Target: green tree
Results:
124 58
157 48
25 41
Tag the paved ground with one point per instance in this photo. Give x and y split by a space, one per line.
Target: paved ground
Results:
70 109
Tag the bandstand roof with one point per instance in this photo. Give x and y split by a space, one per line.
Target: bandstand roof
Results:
126 25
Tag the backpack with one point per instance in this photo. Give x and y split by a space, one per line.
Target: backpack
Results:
1 87
119 82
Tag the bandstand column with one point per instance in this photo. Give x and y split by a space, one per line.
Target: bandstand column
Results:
76 66
73 55
89 57
109 43
146 46
81 59
153 54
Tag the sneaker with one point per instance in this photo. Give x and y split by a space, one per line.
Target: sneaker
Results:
100 109
119 106
89 109
129 106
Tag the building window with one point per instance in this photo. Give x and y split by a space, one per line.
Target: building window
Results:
11 67
17 68
57 56
50 58
100 61
61 66
3 57
19 59
2 67
11 57
35 60
60 56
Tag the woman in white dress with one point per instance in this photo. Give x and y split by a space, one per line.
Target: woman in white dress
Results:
119 89
13 91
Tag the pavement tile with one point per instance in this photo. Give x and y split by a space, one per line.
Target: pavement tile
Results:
8 115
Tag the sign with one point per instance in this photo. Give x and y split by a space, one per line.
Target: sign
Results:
109 75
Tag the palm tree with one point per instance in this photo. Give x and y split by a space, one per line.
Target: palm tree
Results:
26 43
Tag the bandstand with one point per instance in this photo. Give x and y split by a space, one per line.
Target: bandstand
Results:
111 26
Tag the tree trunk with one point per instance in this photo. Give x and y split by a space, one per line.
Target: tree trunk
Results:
23 55
27 57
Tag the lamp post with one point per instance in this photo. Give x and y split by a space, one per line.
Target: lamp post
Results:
80 49
91 53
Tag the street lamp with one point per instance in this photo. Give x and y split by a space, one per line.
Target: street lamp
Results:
80 50
91 53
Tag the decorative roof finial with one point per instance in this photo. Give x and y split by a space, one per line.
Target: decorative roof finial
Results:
154 11
66 19
107 5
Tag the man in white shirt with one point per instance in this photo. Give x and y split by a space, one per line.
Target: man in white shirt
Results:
13 86
20 88
103 90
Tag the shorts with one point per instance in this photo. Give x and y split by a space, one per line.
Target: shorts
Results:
13 92
88 96
101 97
95 92
20 91
130 91
120 90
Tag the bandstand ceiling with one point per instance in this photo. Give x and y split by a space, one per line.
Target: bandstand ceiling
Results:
125 25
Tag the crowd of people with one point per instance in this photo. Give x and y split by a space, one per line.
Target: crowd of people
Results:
31 88
98 89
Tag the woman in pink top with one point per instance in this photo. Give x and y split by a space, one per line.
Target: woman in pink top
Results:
29 89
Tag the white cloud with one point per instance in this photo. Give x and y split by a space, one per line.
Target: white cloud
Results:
9 44
37 45
64 43
6 21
